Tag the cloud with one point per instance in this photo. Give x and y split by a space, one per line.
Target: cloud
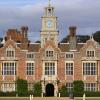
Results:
82 13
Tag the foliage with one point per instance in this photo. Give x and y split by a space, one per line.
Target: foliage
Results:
22 87
92 94
37 89
96 36
78 88
80 39
63 91
65 39
7 94
83 38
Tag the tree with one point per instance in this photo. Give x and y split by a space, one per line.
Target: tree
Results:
22 87
80 39
96 36
63 91
65 39
78 88
37 89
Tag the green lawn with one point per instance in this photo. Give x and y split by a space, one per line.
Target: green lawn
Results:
8 98
27 98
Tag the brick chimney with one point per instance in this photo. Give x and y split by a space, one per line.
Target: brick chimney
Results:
72 30
24 30
72 37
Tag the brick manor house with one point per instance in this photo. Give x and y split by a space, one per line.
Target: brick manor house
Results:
50 62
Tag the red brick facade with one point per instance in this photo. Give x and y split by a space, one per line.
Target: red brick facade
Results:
80 55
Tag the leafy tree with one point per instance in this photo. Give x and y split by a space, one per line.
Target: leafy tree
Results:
96 36
37 41
65 39
63 91
37 89
78 88
80 39
22 87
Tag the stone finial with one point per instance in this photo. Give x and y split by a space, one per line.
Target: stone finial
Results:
3 41
91 37
49 2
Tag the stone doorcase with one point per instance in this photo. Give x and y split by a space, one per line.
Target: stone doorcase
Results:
54 83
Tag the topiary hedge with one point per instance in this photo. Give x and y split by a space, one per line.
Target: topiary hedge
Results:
37 89
22 87
92 94
63 91
78 88
7 94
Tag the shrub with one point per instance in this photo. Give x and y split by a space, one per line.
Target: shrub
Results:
37 89
92 94
63 91
78 88
8 94
22 87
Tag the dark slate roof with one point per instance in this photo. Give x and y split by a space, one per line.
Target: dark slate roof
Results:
64 47
34 47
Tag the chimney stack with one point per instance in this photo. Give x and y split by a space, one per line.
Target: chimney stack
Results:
72 38
72 30
24 30
24 44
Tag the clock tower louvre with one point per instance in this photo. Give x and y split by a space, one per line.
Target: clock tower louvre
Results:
49 31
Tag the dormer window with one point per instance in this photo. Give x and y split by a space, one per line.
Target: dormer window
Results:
69 55
90 53
30 55
49 52
10 52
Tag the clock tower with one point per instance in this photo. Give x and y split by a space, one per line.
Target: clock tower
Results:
49 31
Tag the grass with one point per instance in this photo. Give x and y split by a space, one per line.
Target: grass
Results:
13 98
27 98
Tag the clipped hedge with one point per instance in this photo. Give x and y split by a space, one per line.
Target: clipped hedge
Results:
78 88
37 89
92 94
63 91
7 94
22 87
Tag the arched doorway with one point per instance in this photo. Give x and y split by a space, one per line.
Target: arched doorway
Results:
49 90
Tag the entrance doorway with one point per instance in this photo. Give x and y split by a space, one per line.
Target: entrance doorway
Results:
49 90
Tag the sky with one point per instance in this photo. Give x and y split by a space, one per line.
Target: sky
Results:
84 14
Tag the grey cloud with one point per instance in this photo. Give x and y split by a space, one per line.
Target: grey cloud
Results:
82 13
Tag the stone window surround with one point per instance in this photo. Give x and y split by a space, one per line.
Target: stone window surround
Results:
89 62
73 68
70 55
90 51
90 86
31 66
8 63
10 52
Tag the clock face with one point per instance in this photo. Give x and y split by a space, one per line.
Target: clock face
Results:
49 23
